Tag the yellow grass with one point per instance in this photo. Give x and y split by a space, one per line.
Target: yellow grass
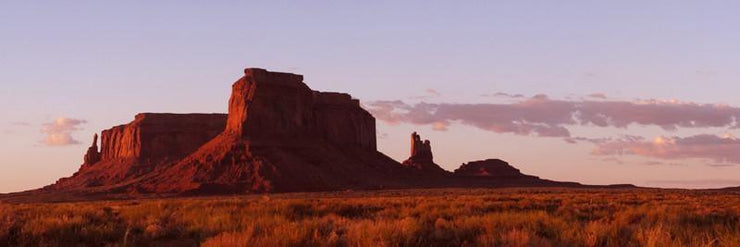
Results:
450 217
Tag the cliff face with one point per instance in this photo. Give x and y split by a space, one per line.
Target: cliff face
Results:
156 137
341 120
271 106
151 140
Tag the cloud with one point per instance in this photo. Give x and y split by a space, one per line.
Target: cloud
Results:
59 132
24 124
574 140
613 160
542 116
720 149
503 95
428 94
433 92
440 126
597 95
660 163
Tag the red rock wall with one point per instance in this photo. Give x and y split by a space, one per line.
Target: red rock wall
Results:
341 120
270 105
157 136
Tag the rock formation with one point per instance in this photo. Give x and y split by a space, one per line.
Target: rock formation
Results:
92 155
421 151
421 158
491 168
278 136
282 136
137 148
155 137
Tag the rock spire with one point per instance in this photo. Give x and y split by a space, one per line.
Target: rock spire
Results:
93 155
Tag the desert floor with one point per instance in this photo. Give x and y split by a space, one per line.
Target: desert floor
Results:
438 217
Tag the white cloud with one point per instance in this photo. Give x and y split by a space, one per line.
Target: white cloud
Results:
59 131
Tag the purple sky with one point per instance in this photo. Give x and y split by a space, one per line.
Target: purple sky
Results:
620 92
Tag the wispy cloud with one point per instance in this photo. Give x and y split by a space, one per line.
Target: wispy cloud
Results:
597 95
59 131
433 92
545 117
503 95
542 116
24 124
720 149
428 94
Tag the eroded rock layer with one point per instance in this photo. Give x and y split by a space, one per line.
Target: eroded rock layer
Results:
155 137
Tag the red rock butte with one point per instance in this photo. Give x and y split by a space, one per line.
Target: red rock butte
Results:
278 136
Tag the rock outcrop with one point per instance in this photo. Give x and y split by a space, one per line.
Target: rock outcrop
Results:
421 158
150 141
92 155
421 151
282 136
156 137
490 168
269 106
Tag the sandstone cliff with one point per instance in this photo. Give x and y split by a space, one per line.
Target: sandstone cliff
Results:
155 137
139 147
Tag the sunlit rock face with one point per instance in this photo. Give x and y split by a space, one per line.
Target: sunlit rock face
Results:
154 137
272 105
151 141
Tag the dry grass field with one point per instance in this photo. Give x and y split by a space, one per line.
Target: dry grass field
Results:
447 217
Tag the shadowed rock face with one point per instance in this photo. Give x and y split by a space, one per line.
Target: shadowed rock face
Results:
92 155
341 120
491 168
420 157
421 151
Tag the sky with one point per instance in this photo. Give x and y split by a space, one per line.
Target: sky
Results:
597 92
